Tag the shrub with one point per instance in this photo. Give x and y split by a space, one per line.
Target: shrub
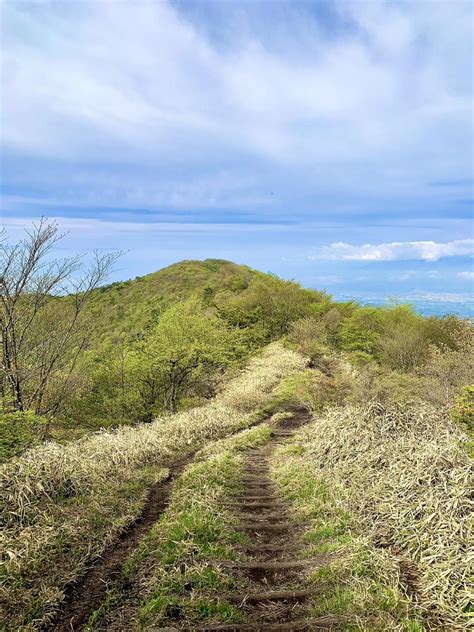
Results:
269 305
450 368
404 342
315 390
19 431
310 335
463 410
362 330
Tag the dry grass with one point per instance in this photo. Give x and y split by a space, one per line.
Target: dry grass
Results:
56 471
406 474
50 494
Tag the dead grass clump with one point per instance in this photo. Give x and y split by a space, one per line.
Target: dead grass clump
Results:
410 481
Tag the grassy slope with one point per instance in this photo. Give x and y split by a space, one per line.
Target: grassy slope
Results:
127 306
400 479
63 504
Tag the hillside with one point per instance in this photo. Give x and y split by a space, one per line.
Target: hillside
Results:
144 485
126 307
226 516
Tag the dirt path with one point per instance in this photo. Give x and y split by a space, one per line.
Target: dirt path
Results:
83 597
277 599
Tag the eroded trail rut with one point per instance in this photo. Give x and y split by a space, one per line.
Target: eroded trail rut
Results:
279 595
84 596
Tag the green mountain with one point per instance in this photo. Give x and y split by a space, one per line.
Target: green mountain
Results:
127 306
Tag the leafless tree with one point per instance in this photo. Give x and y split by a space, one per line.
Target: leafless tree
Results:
42 299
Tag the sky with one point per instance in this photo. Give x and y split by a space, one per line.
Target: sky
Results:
326 141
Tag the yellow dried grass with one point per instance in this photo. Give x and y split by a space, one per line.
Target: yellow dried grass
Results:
409 479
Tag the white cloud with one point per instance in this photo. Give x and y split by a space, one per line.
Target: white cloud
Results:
466 275
135 103
396 251
143 75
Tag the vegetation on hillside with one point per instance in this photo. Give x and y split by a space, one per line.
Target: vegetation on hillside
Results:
124 353
402 474
51 529
104 387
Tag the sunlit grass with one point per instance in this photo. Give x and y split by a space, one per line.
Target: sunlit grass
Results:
63 504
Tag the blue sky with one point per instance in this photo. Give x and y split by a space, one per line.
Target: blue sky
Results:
331 142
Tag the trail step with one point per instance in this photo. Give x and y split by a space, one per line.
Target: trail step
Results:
246 514
261 480
257 497
258 505
266 526
269 548
327 622
271 565
272 595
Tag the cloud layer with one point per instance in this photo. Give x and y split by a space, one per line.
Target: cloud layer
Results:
365 93
396 251
254 131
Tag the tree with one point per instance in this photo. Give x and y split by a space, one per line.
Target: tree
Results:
42 300
182 355
361 331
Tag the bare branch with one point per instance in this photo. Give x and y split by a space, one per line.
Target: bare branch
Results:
41 301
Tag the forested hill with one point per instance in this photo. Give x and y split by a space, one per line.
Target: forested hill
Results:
244 296
128 306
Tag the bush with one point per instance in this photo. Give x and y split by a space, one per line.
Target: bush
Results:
269 305
314 390
463 410
362 331
19 431
450 368
310 335
404 341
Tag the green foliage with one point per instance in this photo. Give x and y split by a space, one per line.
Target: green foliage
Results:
362 330
404 342
269 305
126 308
183 354
446 332
162 341
463 410
19 431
